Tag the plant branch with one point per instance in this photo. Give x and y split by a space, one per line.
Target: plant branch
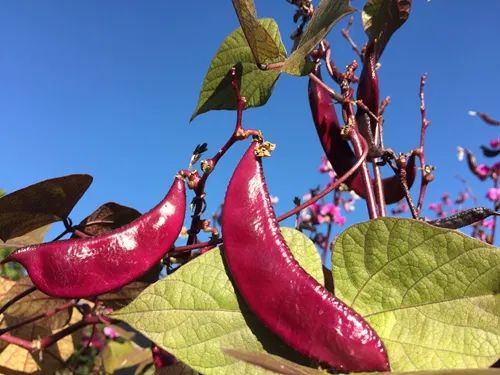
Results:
47 314
426 170
16 298
330 187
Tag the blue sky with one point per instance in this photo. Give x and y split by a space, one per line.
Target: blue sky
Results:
107 88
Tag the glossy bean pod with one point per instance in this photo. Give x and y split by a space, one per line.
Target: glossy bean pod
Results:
278 290
339 152
85 267
369 92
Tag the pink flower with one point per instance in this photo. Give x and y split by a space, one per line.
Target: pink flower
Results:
445 198
331 213
325 165
435 207
488 223
493 194
495 143
483 170
110 332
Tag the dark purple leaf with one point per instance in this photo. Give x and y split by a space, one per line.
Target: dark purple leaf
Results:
40 204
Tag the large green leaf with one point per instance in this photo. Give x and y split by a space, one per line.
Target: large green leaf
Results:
381 18
264 47
195 313
430 293
255 84
328 13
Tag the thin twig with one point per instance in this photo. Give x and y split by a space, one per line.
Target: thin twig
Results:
330 187
16 298
426 176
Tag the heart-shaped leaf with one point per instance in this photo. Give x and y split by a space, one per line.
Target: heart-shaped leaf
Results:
256 85
328 13
195 312
264 48
40 204
381 18
107 217
430 293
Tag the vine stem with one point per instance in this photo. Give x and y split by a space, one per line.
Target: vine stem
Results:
238 134
16 298
330 187
421 151
47 314
494 227
47 341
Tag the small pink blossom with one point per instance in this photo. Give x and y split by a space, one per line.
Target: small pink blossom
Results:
488 223
493 194
483 170
495 142
325 165
462 197
110 332
331 213
445 198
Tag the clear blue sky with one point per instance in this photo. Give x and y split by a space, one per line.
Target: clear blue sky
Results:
108 87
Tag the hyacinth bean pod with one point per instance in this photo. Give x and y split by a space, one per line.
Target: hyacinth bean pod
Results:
278 290
338 151
369 92
86 267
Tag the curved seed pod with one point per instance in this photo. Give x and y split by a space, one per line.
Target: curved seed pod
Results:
368 92
91 266
463 218
393 191
339 152
278 290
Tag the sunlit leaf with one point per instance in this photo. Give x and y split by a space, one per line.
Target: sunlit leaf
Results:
328 13
34 304
381 18
430 293
40 204
15 360
195 312
264 48
256 85
119 355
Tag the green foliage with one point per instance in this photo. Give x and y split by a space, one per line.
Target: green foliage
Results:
256 85
381 18
264 47
324 18
195 312
430 293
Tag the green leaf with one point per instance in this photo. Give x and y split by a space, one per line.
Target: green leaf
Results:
430 293
264 48
381 18
255 85
195 312
119 355
328 13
